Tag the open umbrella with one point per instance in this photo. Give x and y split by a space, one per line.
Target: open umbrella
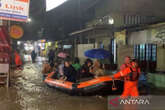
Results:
97 53
62 55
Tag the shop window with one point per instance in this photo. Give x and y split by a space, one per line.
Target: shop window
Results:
84 41
91 41
146 54
154 52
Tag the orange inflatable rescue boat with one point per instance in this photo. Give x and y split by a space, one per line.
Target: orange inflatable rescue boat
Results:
101 85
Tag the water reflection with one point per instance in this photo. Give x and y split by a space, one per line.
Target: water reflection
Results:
30 93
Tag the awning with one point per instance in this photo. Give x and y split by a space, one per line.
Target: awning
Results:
108 28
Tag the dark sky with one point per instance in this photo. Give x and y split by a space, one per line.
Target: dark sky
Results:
58 22
67 18
36 12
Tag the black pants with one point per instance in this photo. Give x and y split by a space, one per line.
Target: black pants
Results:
51 61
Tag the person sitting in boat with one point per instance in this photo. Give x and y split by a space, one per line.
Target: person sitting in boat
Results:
56 74
46 69
97 69
76 64
69 71
61 67
85 69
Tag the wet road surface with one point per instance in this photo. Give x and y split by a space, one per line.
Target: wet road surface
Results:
28 92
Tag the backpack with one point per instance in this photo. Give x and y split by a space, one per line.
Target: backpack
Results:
133 76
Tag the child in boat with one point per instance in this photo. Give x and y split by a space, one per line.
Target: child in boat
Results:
97 69
76 64
85 69
46 69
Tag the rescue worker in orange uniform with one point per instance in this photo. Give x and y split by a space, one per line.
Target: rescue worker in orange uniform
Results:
127 63
130 75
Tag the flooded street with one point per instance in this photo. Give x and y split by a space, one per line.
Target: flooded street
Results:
82 54
28 92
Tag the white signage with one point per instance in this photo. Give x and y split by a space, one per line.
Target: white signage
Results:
15 10
51 4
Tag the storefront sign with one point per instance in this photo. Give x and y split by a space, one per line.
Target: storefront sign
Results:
15 10
16 32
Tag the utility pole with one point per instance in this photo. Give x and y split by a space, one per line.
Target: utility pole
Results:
80 19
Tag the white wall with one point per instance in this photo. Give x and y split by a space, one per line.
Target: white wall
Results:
81 49
160 59
140 37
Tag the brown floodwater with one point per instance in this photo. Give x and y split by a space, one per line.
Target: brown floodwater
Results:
28 92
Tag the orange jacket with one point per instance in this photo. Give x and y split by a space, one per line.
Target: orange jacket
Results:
123 66
126 72
18 61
